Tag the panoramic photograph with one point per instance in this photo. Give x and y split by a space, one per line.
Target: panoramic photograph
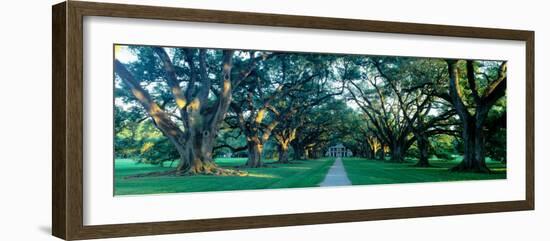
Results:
204 119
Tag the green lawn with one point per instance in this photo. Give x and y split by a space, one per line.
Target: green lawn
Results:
364 171
298 174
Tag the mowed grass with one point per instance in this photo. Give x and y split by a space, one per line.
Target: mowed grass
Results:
364 172
307 173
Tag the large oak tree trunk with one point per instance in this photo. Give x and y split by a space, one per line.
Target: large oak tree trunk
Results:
474 151
423 147
381 155
307 153
195 145
283 139
197 155
472 125
369 151
283 153
397 151
255 140
255 151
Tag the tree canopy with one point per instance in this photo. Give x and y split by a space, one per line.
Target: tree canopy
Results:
187 106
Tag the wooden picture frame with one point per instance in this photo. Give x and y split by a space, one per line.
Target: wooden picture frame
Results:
67 138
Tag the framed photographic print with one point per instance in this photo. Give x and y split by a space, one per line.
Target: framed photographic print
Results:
171 120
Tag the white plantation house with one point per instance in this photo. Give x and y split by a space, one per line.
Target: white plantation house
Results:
338 150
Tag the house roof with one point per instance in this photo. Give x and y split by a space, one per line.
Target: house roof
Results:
339 145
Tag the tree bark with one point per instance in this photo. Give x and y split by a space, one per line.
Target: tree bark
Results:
255 151
257 134
195 143
197 155
284 137
369 152
423 147
474 148
398 151
307 153
472 125
381 153
283 153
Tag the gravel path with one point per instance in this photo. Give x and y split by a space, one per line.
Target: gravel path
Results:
336 175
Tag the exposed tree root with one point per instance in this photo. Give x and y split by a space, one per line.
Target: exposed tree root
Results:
215 171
